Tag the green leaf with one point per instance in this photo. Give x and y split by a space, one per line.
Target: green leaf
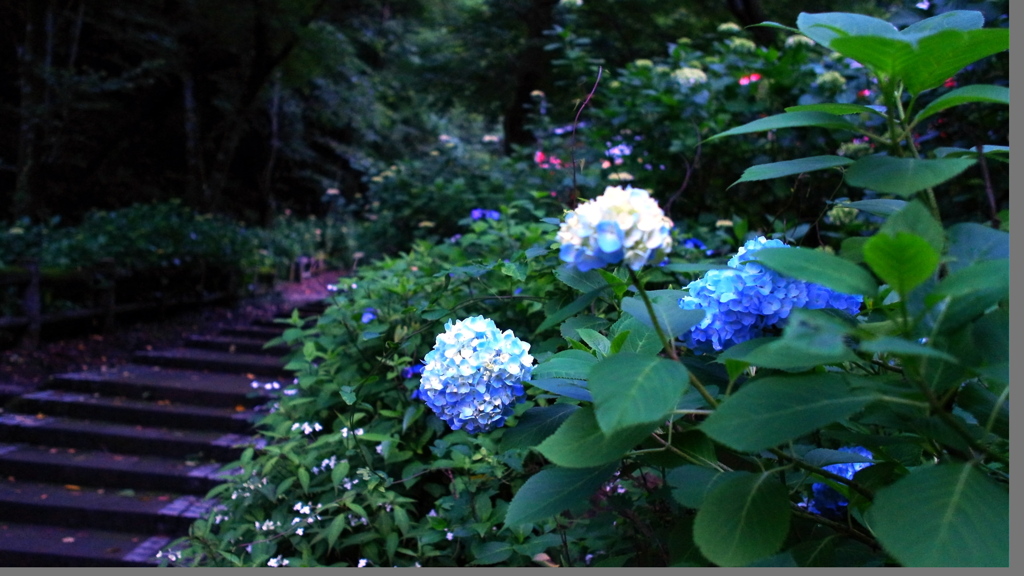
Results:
916 218
825 27
946 515
819 267
790 167
580 443
642 338
940 56
902 347
487 553
768 411
574 364
836 108
577 305
514 270
790 120
691 484
879 207
903 261
582 281
535 425
970 243
821 457
966 95
570 327
632 389
568 387
673 319
597 341
970 292
903 176
992 151
555 490
743 519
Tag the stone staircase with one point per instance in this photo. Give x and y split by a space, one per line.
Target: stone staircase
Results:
104 468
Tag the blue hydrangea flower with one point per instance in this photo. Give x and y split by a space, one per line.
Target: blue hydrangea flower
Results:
825 500
411 371
620 225
474 375
747 300
369 315
478 213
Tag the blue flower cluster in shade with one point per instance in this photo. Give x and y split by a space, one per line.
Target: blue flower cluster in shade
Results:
824 499
746 299
478 213
474 375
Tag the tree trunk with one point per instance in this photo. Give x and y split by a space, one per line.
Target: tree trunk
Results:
532 64
195 179
750 12
30 93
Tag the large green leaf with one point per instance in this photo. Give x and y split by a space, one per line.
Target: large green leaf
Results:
810 338
944 516
574 307
580 443
825 27
916 218
939 56
819 267
673 319
903 176
790 167
970 243
574 364
691 484
641 337
903 261
879 206
768 411
535 425
967 293
742 519
632 389
835 108
966 95
553 491
790 120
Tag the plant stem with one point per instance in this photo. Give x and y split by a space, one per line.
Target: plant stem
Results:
822 472
665 342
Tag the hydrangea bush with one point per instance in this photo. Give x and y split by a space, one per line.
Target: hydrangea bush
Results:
790 406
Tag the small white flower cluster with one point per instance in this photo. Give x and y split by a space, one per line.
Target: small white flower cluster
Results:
327 464
307 511
348 483
277 562
275 385
362 563
306 428
357 432
621 225
171 556
356 520
267 526
248 486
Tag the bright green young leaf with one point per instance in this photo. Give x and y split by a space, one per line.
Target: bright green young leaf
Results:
766 412
970 242
915 218
673 319
903 261
631 389
535 425
555 490
878 207
903 176
790 120
835 108
940 56
743 519
819 267
944 516
580 443
790 167
966 95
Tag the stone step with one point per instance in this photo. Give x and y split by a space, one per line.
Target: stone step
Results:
75 506
121 438
236 344
125 410
156 383
194 359
255 332
64 465
24 544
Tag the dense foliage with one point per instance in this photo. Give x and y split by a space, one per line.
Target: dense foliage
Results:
781 406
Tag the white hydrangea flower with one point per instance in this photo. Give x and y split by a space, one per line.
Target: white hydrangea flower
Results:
688 77
621 225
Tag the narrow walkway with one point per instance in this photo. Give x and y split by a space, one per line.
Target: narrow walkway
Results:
103 468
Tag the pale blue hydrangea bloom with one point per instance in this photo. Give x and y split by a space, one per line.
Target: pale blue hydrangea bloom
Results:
474 375
825 500
621 225
745 300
